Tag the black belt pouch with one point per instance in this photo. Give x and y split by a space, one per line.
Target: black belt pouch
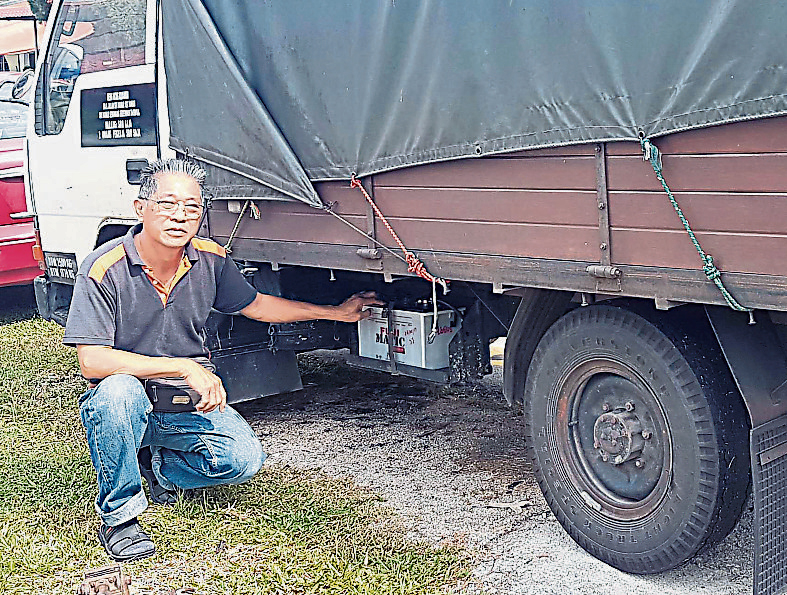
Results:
171 399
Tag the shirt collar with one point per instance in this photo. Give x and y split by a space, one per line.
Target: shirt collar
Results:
133 254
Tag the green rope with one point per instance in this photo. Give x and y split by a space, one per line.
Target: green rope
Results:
653 155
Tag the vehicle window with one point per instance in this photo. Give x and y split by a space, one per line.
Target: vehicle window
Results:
13 119
90 36
5 89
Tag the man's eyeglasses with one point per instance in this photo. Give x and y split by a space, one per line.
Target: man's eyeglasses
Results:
170 207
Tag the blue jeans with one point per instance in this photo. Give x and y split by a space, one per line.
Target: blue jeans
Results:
190 450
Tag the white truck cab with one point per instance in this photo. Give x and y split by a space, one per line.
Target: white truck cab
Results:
100 114
95 123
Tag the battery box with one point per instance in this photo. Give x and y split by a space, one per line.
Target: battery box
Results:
410 338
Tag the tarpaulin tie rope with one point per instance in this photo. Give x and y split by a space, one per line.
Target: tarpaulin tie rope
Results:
651 153
414 264
328 208
255 213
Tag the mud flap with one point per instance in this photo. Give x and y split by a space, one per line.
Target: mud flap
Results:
257 372
246 365
769 479
758 364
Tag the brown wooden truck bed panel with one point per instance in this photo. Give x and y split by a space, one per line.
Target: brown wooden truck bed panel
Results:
702 173
564 172
673 250
543 205
721 212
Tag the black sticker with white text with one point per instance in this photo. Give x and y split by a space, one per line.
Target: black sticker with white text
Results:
118 116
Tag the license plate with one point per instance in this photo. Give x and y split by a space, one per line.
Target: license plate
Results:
61 267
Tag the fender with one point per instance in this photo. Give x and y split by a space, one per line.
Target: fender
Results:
756 360
537 311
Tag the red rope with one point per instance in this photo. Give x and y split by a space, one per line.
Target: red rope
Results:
414 264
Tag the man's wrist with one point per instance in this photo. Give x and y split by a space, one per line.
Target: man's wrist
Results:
180 366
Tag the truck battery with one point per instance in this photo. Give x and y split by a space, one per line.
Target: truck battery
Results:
410 340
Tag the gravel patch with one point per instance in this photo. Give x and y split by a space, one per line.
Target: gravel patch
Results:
452 464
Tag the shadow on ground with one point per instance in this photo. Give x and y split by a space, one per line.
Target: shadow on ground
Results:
16 303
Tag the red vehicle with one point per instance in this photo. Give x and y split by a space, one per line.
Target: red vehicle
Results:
17 234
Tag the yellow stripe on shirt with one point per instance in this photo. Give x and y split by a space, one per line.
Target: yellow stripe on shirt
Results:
104 262
208 246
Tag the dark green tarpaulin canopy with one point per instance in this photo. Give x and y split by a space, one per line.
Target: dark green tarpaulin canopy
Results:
288 92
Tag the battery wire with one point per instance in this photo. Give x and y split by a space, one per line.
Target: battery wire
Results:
430 339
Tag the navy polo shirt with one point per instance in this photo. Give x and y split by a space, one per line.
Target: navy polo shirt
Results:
116 304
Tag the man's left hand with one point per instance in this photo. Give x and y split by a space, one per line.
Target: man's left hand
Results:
353 308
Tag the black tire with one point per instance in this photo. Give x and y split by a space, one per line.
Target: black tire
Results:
659 404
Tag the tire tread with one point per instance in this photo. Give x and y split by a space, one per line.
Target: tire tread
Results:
689 350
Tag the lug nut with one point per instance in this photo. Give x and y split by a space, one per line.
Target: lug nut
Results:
629 406
614 442
646 434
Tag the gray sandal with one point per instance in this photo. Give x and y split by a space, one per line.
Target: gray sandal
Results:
126 542
158 494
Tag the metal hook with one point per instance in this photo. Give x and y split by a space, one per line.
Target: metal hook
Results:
646 150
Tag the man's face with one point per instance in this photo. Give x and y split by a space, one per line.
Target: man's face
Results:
162 224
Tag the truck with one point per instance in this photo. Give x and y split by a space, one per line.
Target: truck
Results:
602 183
17 230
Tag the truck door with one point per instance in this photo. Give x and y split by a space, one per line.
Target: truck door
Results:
95 111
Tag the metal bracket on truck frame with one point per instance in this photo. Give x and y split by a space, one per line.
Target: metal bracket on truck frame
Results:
758 365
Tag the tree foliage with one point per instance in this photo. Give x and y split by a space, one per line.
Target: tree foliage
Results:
40 8
127 18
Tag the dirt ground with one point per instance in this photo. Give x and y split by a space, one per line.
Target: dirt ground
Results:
452 463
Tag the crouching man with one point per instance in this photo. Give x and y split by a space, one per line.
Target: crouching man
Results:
155 408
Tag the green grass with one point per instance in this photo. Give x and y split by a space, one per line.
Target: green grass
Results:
284 532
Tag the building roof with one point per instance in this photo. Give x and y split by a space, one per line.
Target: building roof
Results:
15 9
18 36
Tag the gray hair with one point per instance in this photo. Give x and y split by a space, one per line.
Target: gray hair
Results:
148 176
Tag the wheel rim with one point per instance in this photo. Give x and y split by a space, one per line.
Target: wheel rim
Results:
613 437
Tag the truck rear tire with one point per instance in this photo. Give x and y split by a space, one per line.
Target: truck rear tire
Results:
638 437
